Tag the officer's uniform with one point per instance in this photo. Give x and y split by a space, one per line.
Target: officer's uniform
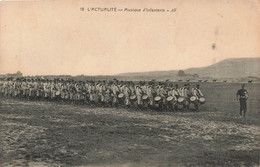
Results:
243 95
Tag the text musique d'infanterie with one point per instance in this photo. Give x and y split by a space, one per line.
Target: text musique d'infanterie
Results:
114 9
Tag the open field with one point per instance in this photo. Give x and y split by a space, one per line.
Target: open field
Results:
57 134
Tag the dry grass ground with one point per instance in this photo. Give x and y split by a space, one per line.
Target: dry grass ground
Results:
56 134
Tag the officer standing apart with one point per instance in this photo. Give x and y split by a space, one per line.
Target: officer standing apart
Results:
242 96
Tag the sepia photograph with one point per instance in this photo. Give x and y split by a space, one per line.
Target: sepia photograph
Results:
131 83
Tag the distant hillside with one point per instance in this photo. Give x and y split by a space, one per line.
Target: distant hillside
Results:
229 68
14 75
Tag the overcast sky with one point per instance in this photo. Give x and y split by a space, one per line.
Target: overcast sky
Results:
56 37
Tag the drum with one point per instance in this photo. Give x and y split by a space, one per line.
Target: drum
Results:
193 99
132 97
121 95
180 100
202 100
145 97
157 98
170 98
57 93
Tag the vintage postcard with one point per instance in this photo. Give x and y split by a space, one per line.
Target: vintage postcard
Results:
129 83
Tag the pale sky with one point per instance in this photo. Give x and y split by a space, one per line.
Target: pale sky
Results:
55 37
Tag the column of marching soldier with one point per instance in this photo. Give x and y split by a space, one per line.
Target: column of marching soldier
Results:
162 96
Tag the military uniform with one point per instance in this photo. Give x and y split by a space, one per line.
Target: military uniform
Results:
242 95
142 94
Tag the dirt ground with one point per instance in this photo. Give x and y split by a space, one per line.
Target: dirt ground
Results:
57 134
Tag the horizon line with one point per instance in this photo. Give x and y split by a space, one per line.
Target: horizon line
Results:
118 74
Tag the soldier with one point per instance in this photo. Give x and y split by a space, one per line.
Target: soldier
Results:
78 92
2 87
242 96
132 94
127 93
173 93
39 89
186 95
176 92
139 94
91 91
121 87
17 88
31 86
47 89
87 90
163 94
198 94
24 87
72 90
145 97
108 93
10 87
102 90
6 85
53 89
115 92
151 94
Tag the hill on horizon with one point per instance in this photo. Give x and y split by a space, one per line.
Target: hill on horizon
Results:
228 68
